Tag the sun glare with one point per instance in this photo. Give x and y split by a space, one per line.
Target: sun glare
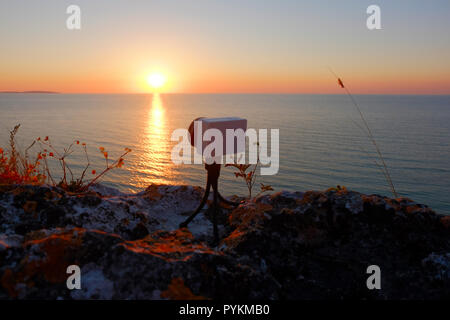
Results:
156 80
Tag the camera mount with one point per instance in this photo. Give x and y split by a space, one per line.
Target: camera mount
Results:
212 180
213 170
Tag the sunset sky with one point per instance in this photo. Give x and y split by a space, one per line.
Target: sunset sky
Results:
236 46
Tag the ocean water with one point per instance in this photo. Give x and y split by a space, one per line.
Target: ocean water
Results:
320 144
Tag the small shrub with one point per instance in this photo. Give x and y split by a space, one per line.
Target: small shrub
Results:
249 177
18 168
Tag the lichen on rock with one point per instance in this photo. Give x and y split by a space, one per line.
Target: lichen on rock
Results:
285 245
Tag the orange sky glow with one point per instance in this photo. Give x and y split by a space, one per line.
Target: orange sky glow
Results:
262 49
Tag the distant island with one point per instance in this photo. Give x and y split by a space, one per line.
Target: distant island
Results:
37 91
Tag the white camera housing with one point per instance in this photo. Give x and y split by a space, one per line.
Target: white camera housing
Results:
231 129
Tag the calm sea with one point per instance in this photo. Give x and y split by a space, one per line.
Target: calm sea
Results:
320 146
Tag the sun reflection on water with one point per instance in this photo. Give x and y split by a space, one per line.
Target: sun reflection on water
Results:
155 165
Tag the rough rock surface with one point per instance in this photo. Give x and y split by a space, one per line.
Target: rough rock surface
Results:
287 245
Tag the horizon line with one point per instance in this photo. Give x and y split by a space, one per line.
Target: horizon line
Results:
217 93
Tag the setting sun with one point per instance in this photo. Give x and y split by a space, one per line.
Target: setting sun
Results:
156 80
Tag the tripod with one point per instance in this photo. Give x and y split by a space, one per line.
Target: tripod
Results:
212 180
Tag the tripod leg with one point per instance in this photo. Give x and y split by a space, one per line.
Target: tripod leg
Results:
231 203
215 208
200 207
